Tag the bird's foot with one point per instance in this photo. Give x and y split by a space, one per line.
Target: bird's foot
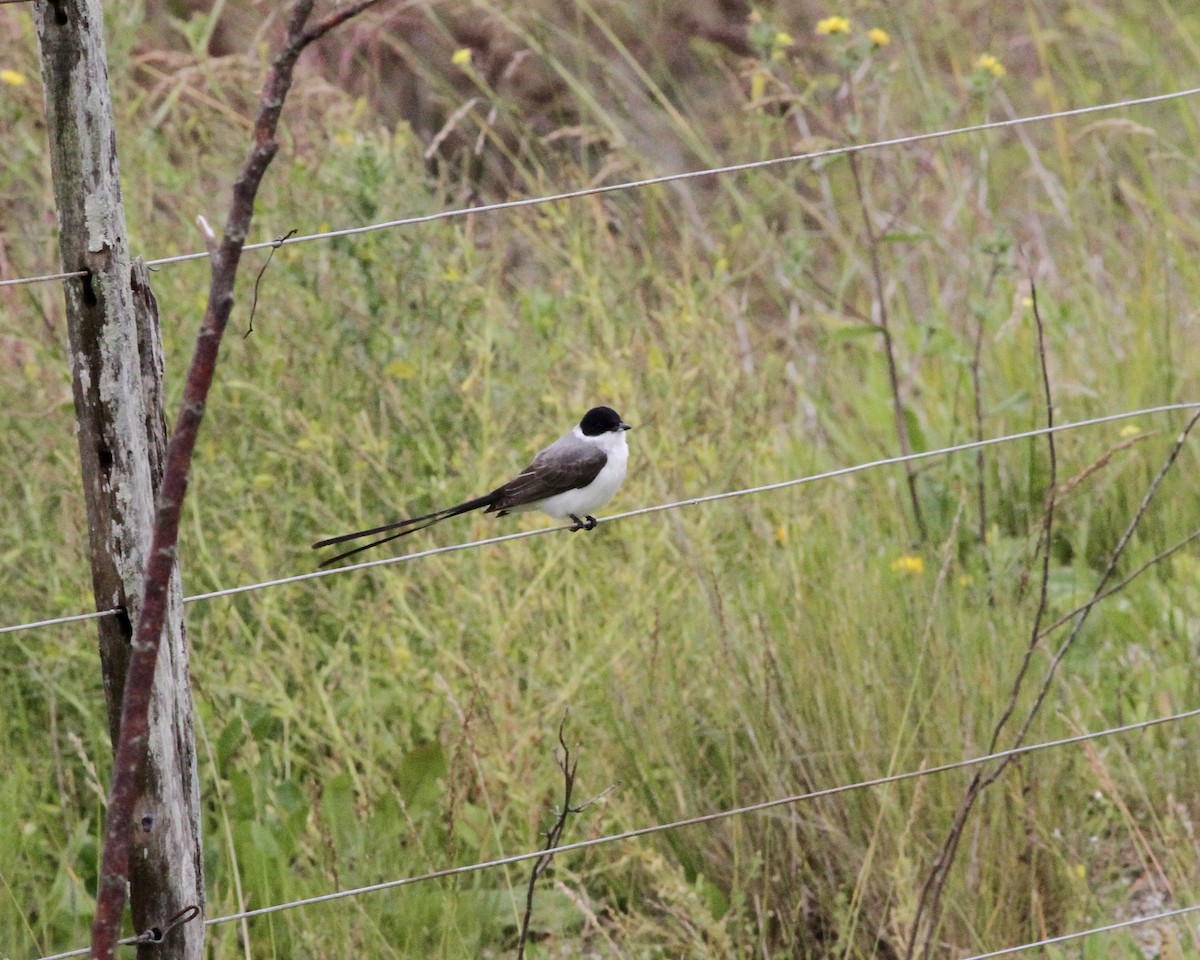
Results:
587 523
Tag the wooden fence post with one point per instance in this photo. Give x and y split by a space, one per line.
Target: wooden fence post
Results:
116 364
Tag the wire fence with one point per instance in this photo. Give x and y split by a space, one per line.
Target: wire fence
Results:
656 181
643 511
710 818
739 811
1108 928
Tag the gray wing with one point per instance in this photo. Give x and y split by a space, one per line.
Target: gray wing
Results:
554 470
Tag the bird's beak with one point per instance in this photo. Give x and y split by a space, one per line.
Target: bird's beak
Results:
625 426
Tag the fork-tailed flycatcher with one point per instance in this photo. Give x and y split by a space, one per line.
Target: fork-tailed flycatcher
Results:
578 473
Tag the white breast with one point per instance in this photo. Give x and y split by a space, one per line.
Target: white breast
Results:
586 500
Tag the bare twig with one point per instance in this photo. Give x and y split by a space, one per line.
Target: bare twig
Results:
1099 593
1117 588
131 746
1069 486
1047 534
206 231
929 904
568 766
889 347
977 396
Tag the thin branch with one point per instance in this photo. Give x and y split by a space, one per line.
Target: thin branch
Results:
131 747
568 766
333 21
1098 593
930 902
889 347
206 231
1047 536
977 397
1117 588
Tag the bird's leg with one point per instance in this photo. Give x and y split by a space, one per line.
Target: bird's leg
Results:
579 524
590 524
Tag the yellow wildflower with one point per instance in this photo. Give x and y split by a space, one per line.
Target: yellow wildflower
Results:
779 44
878 37
832 25
401 369
989 64
781 535
12 78
462 57
911 565
758 85
965 580
1130 431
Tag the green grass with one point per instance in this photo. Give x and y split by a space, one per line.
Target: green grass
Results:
381 724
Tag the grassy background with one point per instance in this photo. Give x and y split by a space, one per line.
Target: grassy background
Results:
381 724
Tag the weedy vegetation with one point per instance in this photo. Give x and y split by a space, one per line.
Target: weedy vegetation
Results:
754 327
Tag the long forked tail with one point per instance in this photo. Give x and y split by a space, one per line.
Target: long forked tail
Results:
411 525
